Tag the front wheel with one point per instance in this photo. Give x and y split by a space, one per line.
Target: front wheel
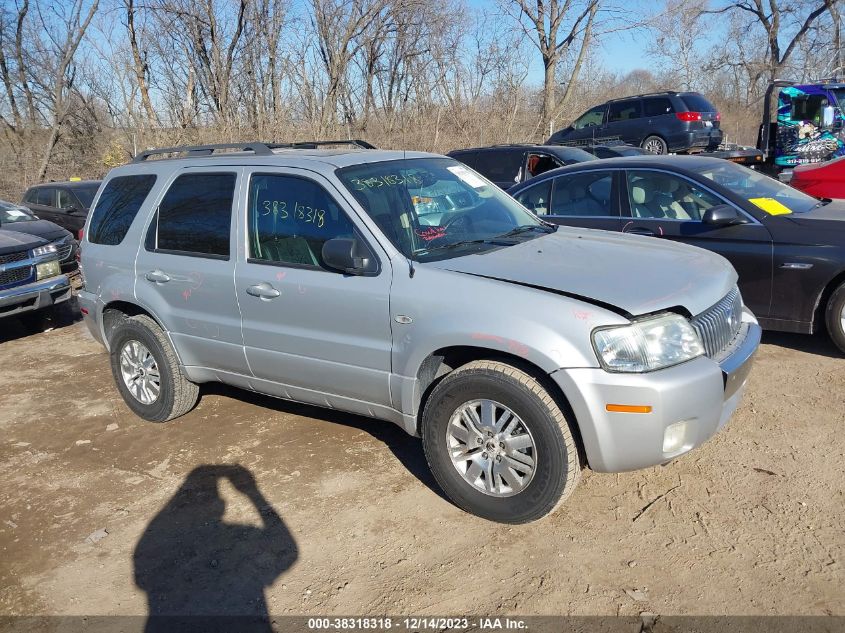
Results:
835 317
655 145
498 444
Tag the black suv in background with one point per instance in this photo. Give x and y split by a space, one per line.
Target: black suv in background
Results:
65 203
507 165
660 123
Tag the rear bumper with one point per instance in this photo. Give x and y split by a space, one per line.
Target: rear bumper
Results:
708 137
34 296
702 394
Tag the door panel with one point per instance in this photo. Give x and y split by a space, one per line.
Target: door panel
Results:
670 207
304 325
185 273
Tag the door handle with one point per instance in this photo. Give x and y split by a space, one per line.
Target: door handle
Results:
158 276
263 291
639 230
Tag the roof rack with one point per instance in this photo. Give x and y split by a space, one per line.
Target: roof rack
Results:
258 148
646 94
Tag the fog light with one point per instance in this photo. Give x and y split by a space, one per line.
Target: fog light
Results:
673 437
47 269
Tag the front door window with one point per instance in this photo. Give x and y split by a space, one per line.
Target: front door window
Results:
655 195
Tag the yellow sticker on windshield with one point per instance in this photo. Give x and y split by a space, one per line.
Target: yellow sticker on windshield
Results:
771 206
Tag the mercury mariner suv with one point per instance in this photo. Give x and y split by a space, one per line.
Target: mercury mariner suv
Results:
405 287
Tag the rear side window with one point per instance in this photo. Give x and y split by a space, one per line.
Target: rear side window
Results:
697 103
584 195
46 196
657 106
624 111
195 216
117 207
500 165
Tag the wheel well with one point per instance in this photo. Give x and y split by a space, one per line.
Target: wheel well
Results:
116 310
824 297
443 361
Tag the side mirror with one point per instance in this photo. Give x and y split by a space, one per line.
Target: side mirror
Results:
348 255
827 116
722 215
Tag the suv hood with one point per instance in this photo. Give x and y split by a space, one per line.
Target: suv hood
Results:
14 242
40 228
636 275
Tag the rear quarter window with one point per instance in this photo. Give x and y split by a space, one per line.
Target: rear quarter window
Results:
657 106
117 207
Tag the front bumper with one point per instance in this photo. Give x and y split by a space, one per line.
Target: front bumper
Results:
34 296
702 393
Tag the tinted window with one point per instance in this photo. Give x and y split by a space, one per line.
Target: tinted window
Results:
594 116
657 106
585 194
31 196
46 196
86 194
195 215
667 197
290 219
500 165
66 199
117 208
536 198
697 103
624 111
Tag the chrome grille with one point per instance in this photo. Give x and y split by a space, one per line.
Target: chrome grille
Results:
718 325
63 248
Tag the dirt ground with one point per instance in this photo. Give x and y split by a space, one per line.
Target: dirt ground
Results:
248 498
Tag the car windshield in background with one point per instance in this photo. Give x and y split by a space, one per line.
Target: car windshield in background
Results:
759 189
13 213
435 208
86 194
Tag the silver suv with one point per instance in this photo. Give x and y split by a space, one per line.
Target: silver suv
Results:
405 287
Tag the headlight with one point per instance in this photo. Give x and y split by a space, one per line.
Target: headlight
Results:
47 269
44 250
647 345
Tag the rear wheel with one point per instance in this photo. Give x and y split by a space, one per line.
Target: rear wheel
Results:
498 443
655 145
835 316
146 371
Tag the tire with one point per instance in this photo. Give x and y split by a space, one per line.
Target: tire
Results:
654 145
534 413
132 338
835 317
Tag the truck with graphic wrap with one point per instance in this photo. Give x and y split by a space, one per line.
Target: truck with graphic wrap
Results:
807 127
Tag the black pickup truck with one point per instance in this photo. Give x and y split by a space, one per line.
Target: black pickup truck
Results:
30 274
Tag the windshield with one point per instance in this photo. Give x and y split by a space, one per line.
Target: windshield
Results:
13 213
759 189
86 194
434 208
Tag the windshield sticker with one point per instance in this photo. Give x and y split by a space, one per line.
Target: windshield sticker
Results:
14 213
467 176
771 206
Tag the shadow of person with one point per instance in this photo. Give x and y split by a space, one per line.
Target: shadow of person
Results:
202 574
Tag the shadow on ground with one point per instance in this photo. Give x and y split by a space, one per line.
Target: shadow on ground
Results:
818 343
202 574
30 323
407 449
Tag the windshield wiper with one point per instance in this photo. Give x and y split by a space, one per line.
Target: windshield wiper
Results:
529 227
822 203
446 247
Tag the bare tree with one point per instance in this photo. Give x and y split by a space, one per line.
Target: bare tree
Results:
554 27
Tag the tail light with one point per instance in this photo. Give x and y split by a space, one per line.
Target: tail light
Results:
718 116
689 116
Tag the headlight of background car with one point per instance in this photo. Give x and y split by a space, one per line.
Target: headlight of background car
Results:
44 250
47 269
647 345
